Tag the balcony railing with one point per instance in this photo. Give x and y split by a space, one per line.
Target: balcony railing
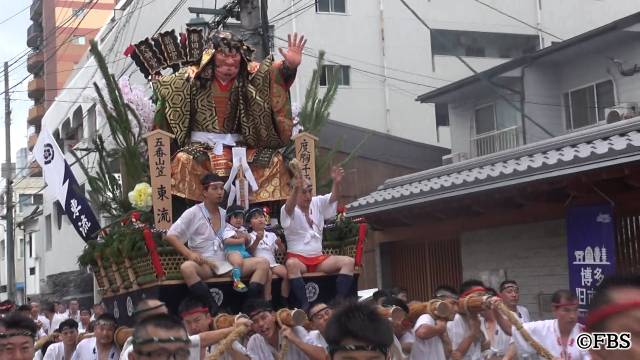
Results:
34 62
34 35
36 10
492 142
36 113
35 88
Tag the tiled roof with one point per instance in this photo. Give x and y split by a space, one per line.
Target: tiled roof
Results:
588 149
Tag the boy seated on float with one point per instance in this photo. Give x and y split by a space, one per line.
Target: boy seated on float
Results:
236 238
202 227
264 244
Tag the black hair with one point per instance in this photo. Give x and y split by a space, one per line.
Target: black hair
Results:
45 347
107 317
85 309
360 322
394 301
251 307
24 308
161 321
19 321
603 297
48 307
446 288
235 210
209 178
252 212
189 303
143 307
491 291
68 323
380 294
399 290
504 284
471 283
560 295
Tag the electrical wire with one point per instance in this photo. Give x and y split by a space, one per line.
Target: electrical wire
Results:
518 20
14 15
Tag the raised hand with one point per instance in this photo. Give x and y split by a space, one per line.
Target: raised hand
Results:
293 55
337 173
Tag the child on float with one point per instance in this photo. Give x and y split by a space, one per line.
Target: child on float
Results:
265 244
236 238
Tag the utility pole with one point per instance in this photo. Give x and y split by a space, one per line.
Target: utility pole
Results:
253 20
11 268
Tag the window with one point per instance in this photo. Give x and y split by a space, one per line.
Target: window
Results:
32 270
30 245
21 249
341 73
47 232
585 106
78 40
481 44
2 250
485 118
331 6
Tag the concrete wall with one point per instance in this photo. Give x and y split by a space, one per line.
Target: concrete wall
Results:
535 255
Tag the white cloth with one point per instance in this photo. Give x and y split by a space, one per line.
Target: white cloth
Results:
215 140
57 319
431 348
75 317
86 350
547 333
301 238
259 348
55 352
194 348
193 227
267 247
232 231
501 340
458 329
43 330
314 337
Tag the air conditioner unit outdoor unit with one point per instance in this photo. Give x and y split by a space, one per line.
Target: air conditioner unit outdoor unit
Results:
454 158
620 112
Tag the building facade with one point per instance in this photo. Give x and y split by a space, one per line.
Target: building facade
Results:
383 58
504 212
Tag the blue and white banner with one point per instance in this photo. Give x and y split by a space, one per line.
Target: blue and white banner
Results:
591 249
64 186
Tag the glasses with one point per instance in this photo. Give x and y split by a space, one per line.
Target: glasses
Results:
164 354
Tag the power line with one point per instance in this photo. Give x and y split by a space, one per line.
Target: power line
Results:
294 12
475 72
14 15
285 10
518 20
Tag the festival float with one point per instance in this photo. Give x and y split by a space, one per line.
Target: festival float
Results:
163 145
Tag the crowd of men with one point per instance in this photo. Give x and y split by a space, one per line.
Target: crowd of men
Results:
345 330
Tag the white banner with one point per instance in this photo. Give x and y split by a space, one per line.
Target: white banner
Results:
52 161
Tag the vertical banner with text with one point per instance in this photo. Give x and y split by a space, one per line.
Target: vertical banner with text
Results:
158 144
306 153
591 250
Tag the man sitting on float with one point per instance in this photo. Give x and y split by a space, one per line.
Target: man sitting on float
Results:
202 227
302 219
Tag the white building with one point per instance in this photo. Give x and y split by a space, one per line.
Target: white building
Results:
387 59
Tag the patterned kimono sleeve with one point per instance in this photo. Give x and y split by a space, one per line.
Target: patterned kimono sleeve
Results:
281 80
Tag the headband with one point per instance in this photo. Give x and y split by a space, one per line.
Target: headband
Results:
155 340
567 303
443 292
252 212
259 310
377 348
105 322
509 285
235 212
474 289
198 310
140 311
598 315
11 334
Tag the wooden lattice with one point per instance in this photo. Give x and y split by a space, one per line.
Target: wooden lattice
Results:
143 269
171 262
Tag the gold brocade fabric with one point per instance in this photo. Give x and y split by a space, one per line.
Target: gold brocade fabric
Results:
273 181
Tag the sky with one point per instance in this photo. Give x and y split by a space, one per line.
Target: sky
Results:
13 41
